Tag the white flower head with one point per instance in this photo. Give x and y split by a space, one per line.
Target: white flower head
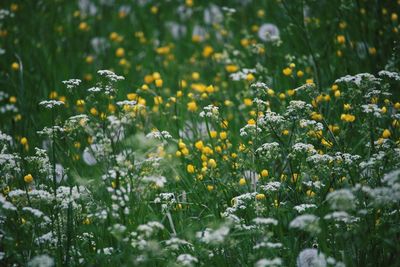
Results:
269 32
311 258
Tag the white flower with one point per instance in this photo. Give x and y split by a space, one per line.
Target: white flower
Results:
177 30
341 216
311 258
41 261
268 262
242 74
213 15
342 199
210 111
110 75
391 75
306 222
149 228
303 207
72 83
186 260
268 32
51 103
6 205
357 79
267 221
210 236
271 186
159 181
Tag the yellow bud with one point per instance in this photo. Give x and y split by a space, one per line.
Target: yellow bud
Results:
28 178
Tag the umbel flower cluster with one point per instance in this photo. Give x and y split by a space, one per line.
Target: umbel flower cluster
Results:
260 133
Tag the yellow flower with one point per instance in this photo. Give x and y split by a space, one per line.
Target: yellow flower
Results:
287 71
212 163
15 66
231 68
300 73
326 142
251 122
83 26
242 181
192 106
190 168
199 145
348 117
210 89
386 133
210 187
250 77
223 135
195 76
213 134
264 173
159 82
28 178
248 102
316 116
80 102
310 193
23 141
260 196
394 17
207 51
12 99
341 39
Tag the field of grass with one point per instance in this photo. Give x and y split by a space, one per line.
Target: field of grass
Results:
199 133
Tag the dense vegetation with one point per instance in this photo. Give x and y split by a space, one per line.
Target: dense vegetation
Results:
199 133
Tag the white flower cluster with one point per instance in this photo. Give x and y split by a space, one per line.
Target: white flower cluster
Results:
310 257
342 199
249 130
297 107
158 181
372 108
72 83
41 261
210 111
271 186
186 260
271 117
300 149
265 221
110 75
306 222
358 78
389 74
156 134
239 203
341 216
314 125
49 104
303 207
210 236
242 74
269 150
269 262
150 228
175 244
259 86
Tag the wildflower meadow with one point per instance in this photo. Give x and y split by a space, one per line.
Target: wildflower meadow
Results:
199 133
